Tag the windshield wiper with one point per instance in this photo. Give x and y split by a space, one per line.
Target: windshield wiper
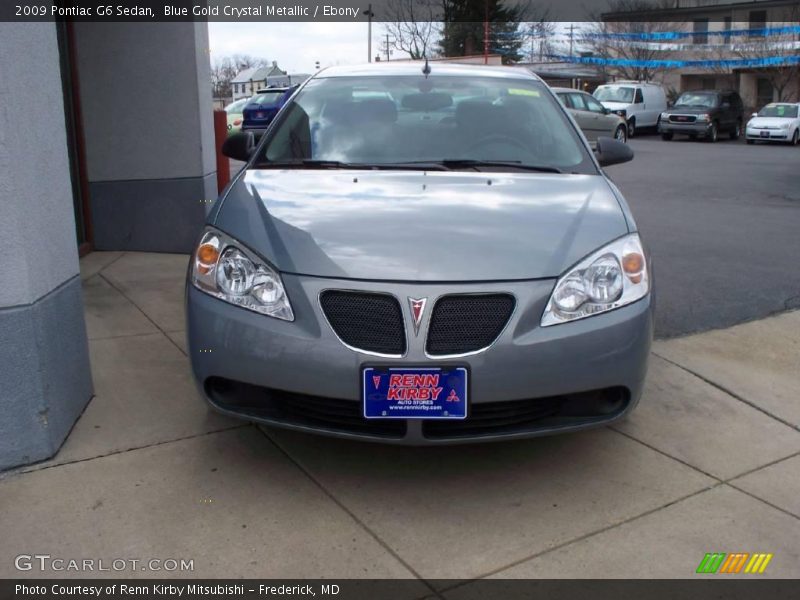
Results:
311 163
463 163
426 165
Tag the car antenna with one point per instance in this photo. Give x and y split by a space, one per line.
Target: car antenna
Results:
426 70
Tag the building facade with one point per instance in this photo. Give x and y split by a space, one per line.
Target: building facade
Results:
708 21
119 156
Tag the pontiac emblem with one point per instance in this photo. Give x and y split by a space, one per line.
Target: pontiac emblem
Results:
417 310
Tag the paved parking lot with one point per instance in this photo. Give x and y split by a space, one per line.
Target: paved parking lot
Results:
709 462
723 222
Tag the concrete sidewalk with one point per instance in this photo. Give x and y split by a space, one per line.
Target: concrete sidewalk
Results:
709 462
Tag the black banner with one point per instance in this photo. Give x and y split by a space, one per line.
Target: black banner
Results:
154 11
728 588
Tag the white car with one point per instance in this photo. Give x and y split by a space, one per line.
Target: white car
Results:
639 103
779 121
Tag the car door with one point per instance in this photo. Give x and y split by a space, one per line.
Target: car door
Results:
604 122
585 118
640 109
725 111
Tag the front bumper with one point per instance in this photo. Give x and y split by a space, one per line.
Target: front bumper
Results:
779 135
698 129
273 371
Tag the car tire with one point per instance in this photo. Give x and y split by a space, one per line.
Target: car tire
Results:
631 128
736 131
751 142
621 134
667 136
796 137
712 134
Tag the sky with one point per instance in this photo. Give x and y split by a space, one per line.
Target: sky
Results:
297 46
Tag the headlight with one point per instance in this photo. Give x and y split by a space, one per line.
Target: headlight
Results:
665 116
786 125
703 118
622 112
226 269
613 276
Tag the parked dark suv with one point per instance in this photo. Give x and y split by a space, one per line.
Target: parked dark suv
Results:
705 113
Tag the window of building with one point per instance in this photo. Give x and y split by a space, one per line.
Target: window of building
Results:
764 92
700 31
758 20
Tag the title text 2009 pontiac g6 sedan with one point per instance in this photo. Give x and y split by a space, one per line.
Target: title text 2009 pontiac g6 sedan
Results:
421 255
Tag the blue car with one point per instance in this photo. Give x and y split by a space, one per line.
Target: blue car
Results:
263 107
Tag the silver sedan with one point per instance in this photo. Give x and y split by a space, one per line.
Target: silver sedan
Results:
421 255
594 119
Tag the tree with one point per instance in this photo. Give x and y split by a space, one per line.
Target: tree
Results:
541 33
595 38
411 26
463 31
224 69
781 48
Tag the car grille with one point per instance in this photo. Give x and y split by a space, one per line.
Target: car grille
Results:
520 416
366 321
682 118
278 406
467 323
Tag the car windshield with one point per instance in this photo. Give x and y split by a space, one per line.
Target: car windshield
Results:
237 107
614 94
699 100
450 121
785 111
270 98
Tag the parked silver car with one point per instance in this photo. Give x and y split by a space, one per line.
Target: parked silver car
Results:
594 119
421 255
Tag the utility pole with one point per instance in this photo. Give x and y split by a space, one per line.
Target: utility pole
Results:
387 47
571 28
486 34
369 14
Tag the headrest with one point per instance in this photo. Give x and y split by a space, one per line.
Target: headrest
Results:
380 110
427 102
473 111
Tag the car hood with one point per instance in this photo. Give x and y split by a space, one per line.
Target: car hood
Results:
688 110
421 226
616 105
768 122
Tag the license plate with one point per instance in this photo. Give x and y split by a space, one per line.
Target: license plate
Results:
765 134
415 393
259 115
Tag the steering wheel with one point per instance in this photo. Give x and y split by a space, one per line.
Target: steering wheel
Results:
498 138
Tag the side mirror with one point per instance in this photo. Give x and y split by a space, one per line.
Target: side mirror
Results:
239 146
606 111
754 115
612 152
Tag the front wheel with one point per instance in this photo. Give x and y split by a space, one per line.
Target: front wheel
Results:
631 128
736 131
713 133
796 138
621 134
667 136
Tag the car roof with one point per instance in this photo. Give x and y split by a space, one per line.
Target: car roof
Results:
401 68
561 90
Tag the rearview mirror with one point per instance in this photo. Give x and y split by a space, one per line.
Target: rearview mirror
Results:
239 146
612 152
